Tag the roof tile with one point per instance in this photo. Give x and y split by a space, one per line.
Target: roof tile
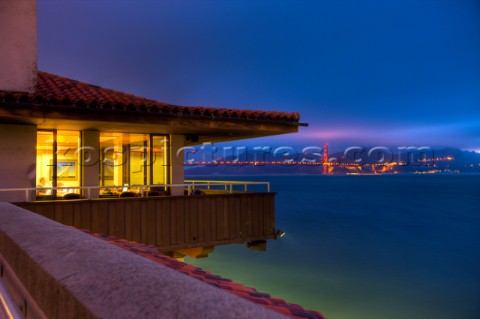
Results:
53 89
274 304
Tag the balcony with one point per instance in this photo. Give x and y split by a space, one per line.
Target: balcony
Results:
211 213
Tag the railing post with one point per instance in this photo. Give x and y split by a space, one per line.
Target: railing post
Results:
268 187
208 185
231 188
88 193
245 187
27 195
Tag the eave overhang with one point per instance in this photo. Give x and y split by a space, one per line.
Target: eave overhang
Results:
61 103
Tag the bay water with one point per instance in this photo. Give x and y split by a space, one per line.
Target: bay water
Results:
376 247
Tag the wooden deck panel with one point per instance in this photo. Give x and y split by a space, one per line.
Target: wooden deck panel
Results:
201 221
151 222
164 224
103 216
68 213
86 215
208 226
170 222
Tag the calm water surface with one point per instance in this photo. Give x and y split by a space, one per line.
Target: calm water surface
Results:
376 247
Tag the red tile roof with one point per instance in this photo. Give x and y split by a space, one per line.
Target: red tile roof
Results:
56 90
151 252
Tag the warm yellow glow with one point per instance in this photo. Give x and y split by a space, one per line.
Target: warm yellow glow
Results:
66 169
133 159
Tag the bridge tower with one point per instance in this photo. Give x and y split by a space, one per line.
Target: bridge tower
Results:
325 159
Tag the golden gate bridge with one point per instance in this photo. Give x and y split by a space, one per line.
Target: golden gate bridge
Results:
328 165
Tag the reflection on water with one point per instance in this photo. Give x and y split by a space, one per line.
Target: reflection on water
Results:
203 252
196 252
376 247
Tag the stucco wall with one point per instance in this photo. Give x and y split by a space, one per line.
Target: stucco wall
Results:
18 45
91 160
17 159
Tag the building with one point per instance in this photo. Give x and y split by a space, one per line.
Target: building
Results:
111 163
72 134
64 139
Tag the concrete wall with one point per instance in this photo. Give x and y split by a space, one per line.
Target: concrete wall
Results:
18 45
177 163
91 161
70 274
17 160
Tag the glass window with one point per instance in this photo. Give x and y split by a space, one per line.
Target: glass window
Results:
138 173
44 171
58 163
132 160
68 162
128 162
160 167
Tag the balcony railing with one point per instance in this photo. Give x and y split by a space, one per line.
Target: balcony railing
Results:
170 222
141 190
227 185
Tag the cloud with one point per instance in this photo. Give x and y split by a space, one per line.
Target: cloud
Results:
461 134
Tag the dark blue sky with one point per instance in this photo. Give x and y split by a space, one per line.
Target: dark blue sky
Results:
359 72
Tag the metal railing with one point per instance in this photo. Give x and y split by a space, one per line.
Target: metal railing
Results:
228 185
141 190
15 300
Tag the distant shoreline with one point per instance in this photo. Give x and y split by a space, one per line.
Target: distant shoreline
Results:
253 175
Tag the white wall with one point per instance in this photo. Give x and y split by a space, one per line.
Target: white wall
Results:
18 45
17 160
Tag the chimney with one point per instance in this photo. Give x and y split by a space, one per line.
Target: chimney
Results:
18 45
